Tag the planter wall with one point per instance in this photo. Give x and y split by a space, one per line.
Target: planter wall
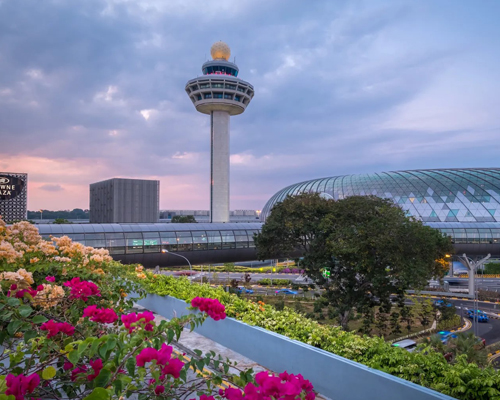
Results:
333 376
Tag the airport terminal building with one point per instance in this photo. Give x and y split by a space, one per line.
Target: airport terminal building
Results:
462 203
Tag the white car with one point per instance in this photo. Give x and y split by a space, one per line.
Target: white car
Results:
406 344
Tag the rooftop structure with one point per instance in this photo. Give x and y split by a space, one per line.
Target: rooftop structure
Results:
220 94
124 201
430 195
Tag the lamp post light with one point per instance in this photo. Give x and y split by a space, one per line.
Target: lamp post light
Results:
178 255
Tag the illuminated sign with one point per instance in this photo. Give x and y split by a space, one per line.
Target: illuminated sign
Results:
10 187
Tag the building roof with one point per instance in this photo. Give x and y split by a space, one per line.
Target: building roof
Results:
431 195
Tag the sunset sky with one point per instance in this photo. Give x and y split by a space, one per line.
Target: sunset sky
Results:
94 89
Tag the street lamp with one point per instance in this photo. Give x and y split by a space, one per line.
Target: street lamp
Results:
178 255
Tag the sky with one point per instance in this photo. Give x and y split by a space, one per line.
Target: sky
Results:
94 89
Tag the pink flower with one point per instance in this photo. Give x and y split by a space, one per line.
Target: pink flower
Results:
77 371
144 319
50 278
146 355
20 385
173 368
212 307
205 397
20 293
96 366
55 327
82 289
159 389
233 394
102 315
67 365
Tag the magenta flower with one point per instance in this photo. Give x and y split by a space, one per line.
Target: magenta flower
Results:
96 366
159 389
173 368
50 278
212 307
20 385
146 355
55 327
102 315
144 319
82 289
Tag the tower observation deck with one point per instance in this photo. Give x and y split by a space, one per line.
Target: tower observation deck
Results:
220 94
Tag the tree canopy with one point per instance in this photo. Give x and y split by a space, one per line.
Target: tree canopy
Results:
183 219
370 247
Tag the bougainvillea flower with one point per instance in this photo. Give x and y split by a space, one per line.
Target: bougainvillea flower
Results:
20 385
102 315
212 307
82 289
54 328
159 389
50 278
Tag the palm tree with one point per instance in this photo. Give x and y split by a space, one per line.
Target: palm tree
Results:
471 346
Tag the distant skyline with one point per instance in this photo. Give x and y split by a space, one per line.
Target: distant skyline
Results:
95 90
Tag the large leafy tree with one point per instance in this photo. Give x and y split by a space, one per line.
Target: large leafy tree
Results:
371 248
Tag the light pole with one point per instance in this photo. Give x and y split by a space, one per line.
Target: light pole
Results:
178 255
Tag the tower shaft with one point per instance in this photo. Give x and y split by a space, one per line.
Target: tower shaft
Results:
219 174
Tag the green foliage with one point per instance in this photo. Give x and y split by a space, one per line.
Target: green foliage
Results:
369 245
183 219
61 221
275 282
76 213
460 379
492 268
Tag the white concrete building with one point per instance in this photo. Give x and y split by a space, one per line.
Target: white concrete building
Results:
219 93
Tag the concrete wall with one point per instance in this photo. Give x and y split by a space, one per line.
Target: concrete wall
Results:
219 184
331 375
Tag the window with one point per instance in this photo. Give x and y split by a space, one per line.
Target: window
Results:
133 242
151 242
218 96
217 85
241 239
228 96
184 241
204 85
232 87
95 240
242 90
214 240
250 237
115 243
236 98
168 241
228 240
207 96
200 241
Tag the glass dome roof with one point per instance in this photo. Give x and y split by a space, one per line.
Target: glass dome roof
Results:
432 195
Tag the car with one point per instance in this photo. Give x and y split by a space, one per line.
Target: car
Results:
406 344
480 315
446 335
286 291
441 303
242 289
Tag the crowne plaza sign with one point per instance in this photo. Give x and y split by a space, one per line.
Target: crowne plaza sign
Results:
10 187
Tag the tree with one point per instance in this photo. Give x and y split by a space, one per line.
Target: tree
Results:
369 246
492 268
61 221
183 219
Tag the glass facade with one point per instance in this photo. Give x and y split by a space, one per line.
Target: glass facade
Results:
153 238
440 195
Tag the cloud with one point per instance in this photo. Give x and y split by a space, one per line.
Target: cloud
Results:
95 89
51 188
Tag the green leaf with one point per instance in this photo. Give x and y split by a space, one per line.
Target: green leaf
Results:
170 335
12 301
130 365
25 310
98 393
48 373
73 357
39 319
82 347
118 385
103 377
13 327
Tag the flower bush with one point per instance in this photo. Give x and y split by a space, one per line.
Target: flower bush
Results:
68 330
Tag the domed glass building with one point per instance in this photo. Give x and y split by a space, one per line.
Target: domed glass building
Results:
463 203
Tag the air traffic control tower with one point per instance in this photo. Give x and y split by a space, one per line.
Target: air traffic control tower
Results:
219 93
